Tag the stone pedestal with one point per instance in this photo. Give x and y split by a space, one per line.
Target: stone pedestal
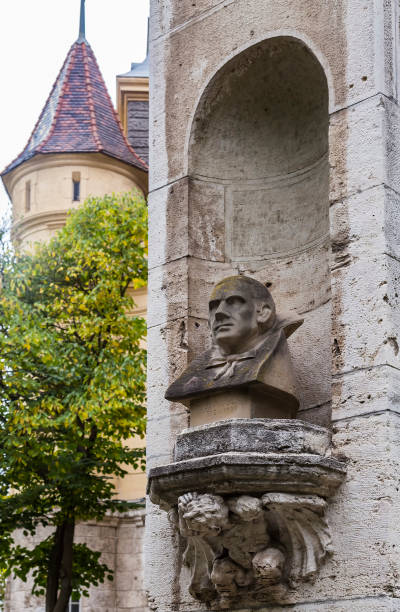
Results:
235 404
249 497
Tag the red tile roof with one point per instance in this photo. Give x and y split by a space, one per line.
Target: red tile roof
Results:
78 116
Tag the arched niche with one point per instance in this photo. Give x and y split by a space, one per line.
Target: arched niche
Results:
259 192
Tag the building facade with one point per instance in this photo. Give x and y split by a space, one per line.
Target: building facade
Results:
277 157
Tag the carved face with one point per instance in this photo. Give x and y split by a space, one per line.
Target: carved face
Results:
268 564
206 515
236 316
223 576
248 508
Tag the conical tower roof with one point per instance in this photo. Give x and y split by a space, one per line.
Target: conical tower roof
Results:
79 116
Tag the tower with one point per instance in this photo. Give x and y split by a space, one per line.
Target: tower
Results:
77 148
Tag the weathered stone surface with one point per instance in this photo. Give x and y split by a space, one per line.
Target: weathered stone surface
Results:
163 222
367 391
247 473
365 223
355 42
336 33
247 549
373 285
254 435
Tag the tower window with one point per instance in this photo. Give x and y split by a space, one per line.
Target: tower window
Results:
76 186
27 196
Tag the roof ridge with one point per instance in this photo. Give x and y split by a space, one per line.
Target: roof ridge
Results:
132 150
60 99
42 111
93 121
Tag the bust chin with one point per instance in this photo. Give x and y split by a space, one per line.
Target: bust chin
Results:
248 371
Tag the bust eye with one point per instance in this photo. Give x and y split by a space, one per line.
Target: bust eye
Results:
213 305
235 300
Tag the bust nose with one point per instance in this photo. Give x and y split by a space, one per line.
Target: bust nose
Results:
220 313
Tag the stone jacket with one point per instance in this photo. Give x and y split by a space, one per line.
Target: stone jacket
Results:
267 367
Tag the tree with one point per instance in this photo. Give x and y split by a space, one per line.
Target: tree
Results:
72 389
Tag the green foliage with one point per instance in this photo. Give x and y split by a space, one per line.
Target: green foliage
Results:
87 569
72 379
2 588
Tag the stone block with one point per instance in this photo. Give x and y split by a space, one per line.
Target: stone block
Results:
131 598
299 280
251 435
162 551
366 336
126 579
370 495
168 292
206 220
168 223
363 152
170 339
181 340
245 473
161 436
186 218
311 356
364 224
127 562
362 392
320 415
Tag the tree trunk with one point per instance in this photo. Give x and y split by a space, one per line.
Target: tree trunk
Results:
53 572
66 569
59 577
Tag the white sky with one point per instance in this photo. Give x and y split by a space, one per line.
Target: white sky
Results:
35 36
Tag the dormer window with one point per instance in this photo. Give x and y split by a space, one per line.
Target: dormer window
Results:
76 186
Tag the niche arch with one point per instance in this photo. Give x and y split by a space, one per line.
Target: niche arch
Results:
258 172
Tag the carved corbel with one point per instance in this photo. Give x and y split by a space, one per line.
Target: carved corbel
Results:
240 547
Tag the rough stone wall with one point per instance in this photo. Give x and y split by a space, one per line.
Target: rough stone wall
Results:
356 43
121 543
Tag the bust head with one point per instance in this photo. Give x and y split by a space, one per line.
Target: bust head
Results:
241 311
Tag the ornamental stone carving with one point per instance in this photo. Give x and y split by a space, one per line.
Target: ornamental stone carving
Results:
240 547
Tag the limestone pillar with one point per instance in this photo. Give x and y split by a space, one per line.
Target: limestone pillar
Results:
275 153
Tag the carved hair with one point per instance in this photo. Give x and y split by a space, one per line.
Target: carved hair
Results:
258 291
205 512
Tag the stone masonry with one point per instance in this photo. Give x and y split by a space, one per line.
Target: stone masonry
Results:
121 543
275 153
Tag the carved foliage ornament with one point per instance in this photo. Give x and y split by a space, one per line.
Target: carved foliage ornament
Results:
241 548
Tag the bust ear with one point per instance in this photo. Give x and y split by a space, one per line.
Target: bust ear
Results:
264 312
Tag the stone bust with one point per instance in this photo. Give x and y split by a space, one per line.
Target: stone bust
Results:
249 354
